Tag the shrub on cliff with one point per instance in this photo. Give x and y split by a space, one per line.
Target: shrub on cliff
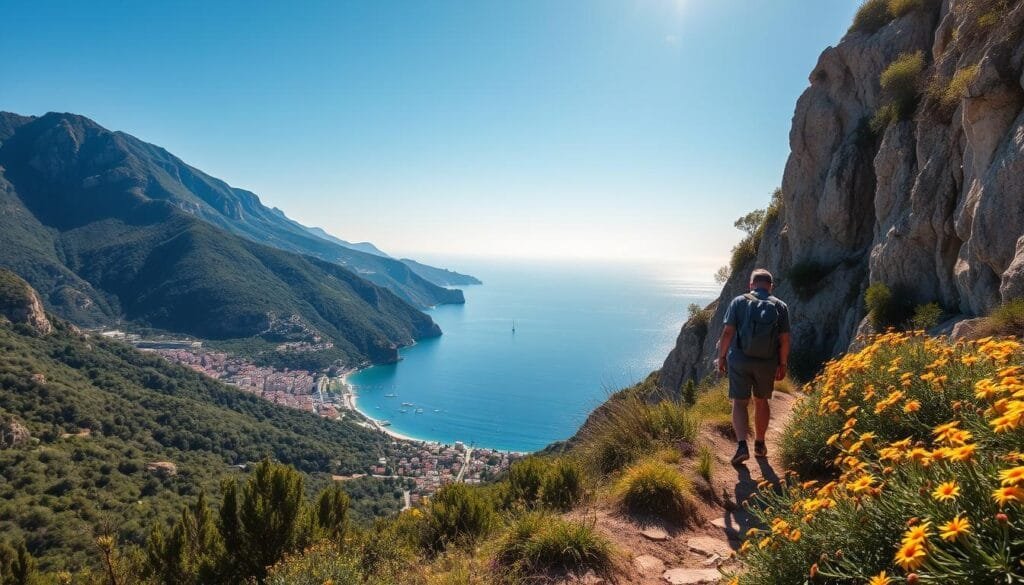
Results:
627 427
926 440
898 8
949 91
883 307
901 86
1007 319
871 16
562 487
538 544
926 316
457 515
654 488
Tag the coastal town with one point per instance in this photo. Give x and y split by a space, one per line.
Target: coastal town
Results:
430 465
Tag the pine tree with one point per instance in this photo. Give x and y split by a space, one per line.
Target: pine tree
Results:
690 392
191 552
332 513
17 567
270 515
230 530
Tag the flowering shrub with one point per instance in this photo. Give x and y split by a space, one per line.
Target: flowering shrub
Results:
924 439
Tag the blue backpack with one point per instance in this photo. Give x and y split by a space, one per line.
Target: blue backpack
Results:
759 332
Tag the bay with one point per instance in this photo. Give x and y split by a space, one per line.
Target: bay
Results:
582 331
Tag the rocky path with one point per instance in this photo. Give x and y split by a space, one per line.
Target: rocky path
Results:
659 554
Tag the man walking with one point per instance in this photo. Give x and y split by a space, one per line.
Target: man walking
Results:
754 350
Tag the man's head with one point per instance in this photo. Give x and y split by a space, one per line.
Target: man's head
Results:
761 278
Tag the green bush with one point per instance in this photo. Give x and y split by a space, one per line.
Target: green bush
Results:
926 316
949 92
1007 319
563 485
699 316
901 86
881 306
457 515
524 481
539 544
690 392
743 253
655 488
898 8
722 274
871 16
322 563
705 462
628 427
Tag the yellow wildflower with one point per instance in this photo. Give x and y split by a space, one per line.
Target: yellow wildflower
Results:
910 556
946 491
1007 494
1014 476
955 528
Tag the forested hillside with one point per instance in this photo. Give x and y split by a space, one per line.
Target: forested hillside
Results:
93 431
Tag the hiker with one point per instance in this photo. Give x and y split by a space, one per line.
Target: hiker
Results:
754 351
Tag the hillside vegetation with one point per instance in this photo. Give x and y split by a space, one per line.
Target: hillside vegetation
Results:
95 433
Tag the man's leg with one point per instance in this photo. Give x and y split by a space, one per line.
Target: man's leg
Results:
763 388
740 387
762 414
740 419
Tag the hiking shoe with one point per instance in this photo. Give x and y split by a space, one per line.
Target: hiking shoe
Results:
760 449
742 454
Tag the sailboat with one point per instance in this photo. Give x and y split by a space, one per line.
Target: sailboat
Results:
513 326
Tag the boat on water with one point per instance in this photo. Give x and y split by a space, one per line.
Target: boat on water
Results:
403 411
384 423
407 404
419 411
390 395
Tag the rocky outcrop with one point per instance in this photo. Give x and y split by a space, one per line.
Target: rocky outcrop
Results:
932 206
12 433
19 303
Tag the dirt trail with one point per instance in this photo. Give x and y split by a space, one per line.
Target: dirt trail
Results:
659 554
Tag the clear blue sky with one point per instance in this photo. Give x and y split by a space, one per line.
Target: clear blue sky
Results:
610 129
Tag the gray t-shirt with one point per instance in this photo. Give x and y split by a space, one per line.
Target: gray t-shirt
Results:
737 312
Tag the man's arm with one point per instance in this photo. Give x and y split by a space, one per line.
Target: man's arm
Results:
780 372
723 347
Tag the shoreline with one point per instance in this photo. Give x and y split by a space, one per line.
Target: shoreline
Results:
350 398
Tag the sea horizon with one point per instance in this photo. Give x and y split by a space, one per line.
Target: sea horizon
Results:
582 331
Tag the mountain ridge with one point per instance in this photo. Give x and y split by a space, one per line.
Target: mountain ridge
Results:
148 170
103 240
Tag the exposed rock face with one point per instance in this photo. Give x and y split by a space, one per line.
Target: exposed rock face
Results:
12 432
19 303
932 206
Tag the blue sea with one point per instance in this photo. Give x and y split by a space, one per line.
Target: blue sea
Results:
582 331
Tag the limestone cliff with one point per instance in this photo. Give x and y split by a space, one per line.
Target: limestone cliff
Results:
931 204
19 303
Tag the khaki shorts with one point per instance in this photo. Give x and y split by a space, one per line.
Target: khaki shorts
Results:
749 377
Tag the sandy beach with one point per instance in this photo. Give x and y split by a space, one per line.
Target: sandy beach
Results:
350 399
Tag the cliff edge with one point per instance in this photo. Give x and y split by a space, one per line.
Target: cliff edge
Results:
906 169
